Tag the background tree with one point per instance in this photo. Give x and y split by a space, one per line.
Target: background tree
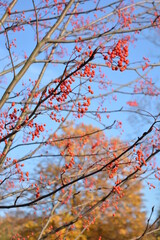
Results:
114 219
128 222
76 60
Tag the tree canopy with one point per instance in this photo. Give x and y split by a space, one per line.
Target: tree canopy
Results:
79 117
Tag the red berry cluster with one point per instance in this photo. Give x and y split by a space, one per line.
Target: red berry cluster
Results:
37 130
119 51
83 107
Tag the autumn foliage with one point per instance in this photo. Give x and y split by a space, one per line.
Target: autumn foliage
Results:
79 118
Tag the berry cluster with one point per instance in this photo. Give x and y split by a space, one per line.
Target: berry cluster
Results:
120 52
